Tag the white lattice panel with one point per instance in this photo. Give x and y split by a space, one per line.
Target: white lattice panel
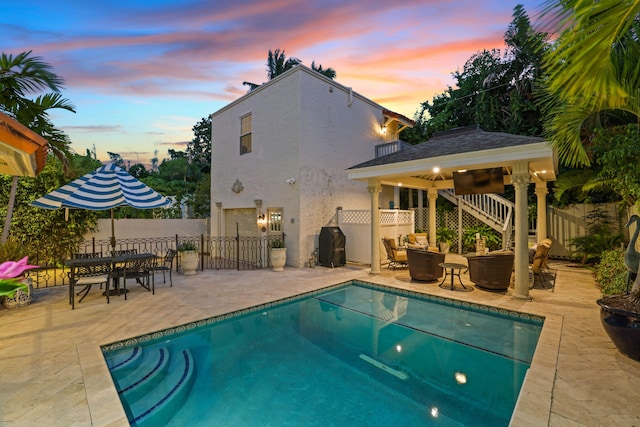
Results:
355 217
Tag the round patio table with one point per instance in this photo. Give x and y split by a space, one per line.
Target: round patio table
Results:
452 269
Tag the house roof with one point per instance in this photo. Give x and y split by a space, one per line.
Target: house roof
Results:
467 148
22 151
388 114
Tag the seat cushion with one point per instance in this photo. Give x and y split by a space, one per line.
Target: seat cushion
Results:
92 280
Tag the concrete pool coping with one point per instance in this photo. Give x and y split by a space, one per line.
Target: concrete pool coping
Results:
65 381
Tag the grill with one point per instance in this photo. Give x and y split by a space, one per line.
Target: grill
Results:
331 247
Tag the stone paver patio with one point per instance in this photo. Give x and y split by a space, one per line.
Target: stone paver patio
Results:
52 372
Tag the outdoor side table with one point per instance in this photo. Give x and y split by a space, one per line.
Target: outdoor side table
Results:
452 269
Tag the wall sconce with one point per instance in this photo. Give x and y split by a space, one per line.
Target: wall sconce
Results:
383 129
262 222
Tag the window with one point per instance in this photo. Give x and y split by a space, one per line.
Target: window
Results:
275 220
245 134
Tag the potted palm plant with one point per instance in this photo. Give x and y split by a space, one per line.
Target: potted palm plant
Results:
188 257
619 309
277 255
445 236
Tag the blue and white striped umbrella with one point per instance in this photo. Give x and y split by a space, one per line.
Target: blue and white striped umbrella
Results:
105 188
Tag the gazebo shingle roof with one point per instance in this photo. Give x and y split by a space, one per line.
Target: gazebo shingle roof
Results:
455 141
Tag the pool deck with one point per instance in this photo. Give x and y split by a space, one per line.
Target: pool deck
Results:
52 372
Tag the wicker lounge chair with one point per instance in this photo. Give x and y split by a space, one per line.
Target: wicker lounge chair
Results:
396 257
540 264
423 264
492 271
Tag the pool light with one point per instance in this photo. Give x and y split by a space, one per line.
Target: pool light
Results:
461 378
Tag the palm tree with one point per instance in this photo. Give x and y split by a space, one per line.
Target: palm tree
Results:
21 75
593 69
278 63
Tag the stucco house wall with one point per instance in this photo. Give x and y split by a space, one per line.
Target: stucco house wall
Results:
304 127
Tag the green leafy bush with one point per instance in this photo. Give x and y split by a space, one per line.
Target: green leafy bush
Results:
611 273
13 250
277 244
601 236
493 238
187 246
445 234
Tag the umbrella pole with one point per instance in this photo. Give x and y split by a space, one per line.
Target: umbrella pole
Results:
113 232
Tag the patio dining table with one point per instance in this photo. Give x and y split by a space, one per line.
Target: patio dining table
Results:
114 262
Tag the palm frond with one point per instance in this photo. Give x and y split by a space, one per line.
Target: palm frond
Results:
580 63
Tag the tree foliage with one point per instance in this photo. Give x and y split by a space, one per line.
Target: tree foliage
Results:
47 230
617 153
22 76
594 71
278 63
496 90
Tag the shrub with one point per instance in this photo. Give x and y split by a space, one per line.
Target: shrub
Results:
445 234
187 246
611 273
279 244
494 239
601 236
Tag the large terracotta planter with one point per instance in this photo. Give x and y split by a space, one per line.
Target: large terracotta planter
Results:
278 258
189 262
623 327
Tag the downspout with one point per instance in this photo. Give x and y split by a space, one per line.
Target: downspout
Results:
350 97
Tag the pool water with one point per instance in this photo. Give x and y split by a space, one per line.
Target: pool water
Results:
355 354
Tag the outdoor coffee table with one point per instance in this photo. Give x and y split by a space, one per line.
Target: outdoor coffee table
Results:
452 269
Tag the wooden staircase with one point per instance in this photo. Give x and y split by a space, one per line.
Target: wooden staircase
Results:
491 209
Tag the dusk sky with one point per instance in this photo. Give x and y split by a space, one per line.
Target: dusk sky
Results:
142 73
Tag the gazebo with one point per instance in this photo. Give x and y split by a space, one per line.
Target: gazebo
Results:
440 162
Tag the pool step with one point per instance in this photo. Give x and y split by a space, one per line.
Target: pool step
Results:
150 371
154 399
128 359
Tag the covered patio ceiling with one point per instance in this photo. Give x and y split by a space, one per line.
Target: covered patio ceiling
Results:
432 163
22 151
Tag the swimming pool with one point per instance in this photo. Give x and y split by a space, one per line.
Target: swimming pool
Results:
351 354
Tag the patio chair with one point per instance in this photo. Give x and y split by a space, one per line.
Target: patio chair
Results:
87 276
540 264
166 265
491 272
141 269
424 265
396 257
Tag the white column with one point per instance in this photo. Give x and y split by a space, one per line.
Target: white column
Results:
520 180
459 229
375 188
396 197
219 226
433 196
420 208
541 193
219 206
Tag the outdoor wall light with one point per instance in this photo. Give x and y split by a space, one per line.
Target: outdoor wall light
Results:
383 129
262 222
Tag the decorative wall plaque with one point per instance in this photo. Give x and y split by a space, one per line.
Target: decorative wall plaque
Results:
237 186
